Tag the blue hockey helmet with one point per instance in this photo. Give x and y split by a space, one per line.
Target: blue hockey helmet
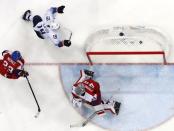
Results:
16 55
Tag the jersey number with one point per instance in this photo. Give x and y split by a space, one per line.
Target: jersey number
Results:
90 85
48 18
55 36
10 68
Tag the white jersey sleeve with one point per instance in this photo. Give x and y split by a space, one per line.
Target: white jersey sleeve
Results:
49 18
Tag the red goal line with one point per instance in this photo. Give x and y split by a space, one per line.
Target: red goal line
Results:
127 53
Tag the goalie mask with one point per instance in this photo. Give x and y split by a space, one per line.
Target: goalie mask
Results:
54 26
80 89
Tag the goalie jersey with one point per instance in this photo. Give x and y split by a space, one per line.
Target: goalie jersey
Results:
91 93
86 90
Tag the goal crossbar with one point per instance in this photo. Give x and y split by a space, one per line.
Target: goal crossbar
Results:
162 53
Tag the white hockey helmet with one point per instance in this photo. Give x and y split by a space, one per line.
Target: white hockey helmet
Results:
54 26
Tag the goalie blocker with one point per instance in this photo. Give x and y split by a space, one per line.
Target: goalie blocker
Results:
87 91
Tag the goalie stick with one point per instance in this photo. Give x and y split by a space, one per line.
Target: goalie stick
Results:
85 122
39 110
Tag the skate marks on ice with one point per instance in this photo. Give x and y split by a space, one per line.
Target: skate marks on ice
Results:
145 91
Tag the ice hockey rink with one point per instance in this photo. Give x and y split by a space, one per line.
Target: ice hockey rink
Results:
46 64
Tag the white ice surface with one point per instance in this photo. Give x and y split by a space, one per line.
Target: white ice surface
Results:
17 106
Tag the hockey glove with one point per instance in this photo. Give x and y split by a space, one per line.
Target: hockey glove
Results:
23 73
80 89
60 9
20 73
60 44
67 43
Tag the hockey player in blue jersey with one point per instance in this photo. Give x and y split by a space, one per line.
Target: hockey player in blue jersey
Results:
46 27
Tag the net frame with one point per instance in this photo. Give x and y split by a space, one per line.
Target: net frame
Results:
130 31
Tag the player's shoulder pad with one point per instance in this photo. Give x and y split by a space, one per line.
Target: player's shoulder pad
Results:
96 83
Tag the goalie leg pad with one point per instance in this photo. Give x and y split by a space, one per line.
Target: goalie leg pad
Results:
99 109
112 106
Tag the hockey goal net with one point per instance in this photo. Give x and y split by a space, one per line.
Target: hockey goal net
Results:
127 44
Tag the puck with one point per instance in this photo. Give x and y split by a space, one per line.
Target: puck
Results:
121 34
140 42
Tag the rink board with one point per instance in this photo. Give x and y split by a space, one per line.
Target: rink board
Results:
145 91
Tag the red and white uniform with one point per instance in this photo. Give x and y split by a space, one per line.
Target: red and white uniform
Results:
7 66
92 92
92 95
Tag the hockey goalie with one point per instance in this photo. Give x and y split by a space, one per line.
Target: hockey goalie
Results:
11 66
46 27
87 91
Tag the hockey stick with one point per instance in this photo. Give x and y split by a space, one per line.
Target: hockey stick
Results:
39 110
64 28
70 35
85 122
109 99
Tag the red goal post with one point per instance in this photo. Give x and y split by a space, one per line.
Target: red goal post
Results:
140 44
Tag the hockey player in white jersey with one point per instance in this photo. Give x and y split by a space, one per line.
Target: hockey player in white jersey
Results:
87 91
46 27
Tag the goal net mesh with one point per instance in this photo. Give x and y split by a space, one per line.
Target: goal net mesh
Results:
127 44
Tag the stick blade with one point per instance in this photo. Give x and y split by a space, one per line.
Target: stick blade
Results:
76 125
37 114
